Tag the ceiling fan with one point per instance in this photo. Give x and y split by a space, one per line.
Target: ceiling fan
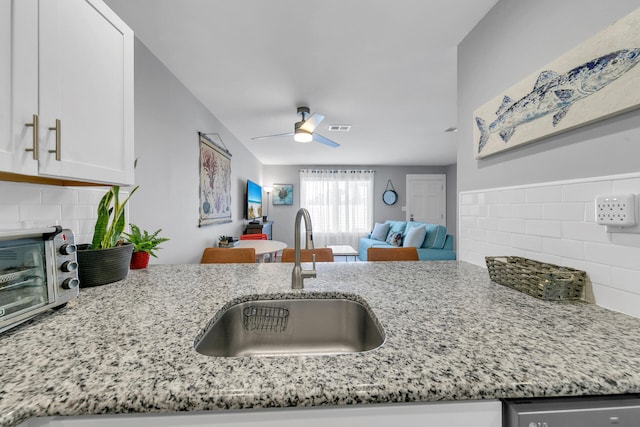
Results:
303 130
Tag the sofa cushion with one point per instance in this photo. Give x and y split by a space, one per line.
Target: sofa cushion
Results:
396 226
415 236
436 236
380 231
394 238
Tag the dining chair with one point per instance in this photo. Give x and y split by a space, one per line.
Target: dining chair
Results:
259 236
322 255
254 236
392 254
228 255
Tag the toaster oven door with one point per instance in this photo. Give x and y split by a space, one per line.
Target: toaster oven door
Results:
23 278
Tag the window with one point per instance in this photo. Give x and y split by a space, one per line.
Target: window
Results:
340 203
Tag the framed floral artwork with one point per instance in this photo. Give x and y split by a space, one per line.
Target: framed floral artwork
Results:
215 180
282 194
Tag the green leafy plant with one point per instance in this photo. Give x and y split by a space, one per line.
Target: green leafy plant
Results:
111 219
143 241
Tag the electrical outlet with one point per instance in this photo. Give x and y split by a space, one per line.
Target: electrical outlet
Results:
618 210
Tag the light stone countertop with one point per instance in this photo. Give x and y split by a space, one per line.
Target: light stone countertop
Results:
451 334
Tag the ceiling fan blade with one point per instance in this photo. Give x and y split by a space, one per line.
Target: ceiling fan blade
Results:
280 135
326 141
312 121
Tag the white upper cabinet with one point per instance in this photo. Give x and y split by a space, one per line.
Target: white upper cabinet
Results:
72 71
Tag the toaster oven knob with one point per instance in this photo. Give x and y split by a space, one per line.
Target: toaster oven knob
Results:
70 283
69 266
68 249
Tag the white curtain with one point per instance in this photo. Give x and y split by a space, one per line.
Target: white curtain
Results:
340 203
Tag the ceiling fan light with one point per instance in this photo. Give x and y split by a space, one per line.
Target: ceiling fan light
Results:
302 136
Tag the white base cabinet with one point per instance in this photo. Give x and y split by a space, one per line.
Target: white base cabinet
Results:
72 72
441 414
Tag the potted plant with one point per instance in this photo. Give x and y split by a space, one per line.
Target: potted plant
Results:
107 258
144 245
225 241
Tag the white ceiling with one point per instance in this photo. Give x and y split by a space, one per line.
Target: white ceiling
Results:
387 68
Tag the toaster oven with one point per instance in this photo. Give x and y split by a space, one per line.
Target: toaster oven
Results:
38 272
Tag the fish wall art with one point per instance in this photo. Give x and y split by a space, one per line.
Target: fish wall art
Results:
596 80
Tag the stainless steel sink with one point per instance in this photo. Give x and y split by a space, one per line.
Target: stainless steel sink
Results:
301 326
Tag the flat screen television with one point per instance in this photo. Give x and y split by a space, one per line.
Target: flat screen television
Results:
253 205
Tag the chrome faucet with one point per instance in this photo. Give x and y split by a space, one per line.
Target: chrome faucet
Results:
298 275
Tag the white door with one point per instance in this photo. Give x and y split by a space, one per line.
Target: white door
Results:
426 198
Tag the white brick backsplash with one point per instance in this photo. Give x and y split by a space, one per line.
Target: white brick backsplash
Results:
586 191
32 205
41 214
468 199
617 256
527 242
564 211
626 280
18 193
499 238
512 196
564 248
513 225
527 211
626 186
489 223
547 194
500 211
74 212
543 228
586 231
60 196
618 300
555 223
9 214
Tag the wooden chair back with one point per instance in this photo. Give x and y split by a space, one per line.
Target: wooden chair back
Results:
322 255
392 254
228 255
254 236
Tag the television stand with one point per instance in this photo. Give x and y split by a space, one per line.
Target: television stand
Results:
259 228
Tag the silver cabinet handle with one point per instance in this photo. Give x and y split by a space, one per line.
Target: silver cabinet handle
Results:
57 128
34 125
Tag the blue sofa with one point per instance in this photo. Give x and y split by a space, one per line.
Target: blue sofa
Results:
436 246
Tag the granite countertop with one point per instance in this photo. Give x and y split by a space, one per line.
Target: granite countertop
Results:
451 334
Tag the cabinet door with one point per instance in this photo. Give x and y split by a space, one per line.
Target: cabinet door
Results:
86 84
18 85
6 143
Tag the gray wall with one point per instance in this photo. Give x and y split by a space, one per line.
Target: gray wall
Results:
516 38
284 216
167 120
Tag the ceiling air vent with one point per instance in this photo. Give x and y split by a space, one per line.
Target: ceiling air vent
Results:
339 128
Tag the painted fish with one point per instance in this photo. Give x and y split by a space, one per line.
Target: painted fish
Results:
554 93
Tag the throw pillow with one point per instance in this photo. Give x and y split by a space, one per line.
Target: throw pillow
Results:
396 226
436 236
415 236
380 231
394 239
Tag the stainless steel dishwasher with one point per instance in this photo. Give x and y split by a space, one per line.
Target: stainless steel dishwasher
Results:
586 411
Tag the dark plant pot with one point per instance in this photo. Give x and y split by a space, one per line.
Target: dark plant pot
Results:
139 260
101 266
